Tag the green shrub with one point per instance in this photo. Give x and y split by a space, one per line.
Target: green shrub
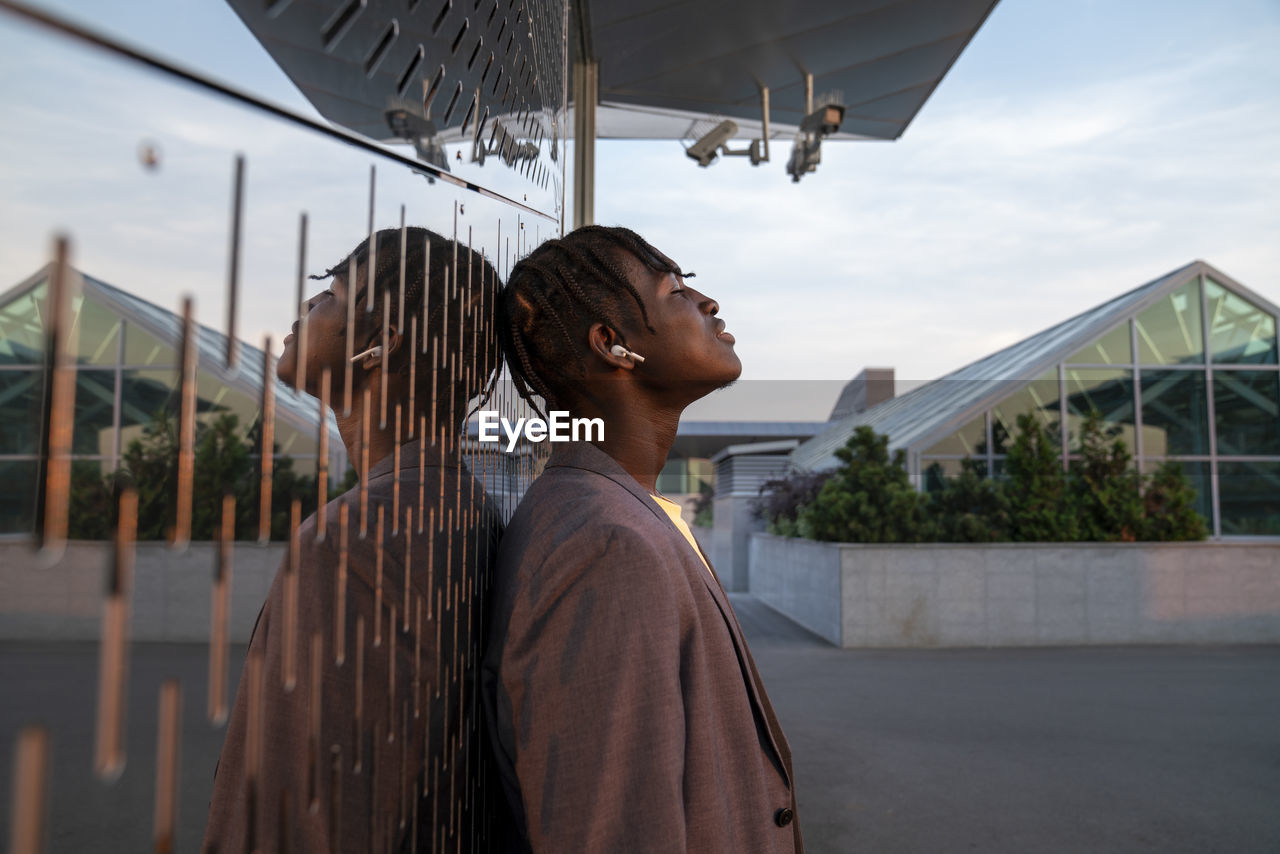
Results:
868 498
971 508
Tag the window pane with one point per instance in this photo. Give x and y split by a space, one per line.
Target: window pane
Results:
145 393
1175 414
671 479
1197 475
1040 398
1238 330
1169 332
1247 412
1114 348
18 498
21 398
1108 392
217 398
142 349
22 329
95 403
95 331
1249 494
969 439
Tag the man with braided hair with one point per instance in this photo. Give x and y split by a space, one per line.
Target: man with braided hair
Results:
356 726
627 712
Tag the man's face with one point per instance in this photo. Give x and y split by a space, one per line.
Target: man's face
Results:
326 341
691 350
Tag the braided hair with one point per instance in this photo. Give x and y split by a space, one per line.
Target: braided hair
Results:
450 295
556 293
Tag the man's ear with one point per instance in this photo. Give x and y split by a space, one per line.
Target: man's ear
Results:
601 340
373 355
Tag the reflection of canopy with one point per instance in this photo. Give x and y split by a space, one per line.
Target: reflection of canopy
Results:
661 64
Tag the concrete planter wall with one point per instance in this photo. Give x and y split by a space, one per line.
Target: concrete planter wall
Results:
1022 594
171 591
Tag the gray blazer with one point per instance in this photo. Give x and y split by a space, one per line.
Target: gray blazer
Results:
627 712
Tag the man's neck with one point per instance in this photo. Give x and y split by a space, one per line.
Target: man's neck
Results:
639 438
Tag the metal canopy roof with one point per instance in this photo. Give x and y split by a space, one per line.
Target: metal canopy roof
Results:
928 413
663 63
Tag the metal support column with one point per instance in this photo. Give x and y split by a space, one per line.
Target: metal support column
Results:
586 77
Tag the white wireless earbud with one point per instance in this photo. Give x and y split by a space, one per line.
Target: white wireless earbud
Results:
372 351
623 352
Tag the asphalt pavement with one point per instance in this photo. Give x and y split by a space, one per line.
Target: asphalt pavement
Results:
1097 749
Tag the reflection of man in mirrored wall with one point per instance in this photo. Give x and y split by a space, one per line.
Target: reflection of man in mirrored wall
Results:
355 724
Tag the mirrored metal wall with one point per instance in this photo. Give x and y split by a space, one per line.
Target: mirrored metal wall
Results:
199 281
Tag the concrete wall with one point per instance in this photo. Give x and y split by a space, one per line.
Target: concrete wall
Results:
171 591
801 579
1024 595
731 531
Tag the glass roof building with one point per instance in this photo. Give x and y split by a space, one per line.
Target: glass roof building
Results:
126 352
1183 368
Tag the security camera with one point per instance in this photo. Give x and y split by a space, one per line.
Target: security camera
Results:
705 149
824 121
806 153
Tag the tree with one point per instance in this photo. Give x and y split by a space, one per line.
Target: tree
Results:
1040 508
224 464
868 499
1169 507
780 500
971 508
1106 490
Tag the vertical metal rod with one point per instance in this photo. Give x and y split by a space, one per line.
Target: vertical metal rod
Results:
300 369
59 409
349 368
358 720
168 744
404 237
364 465
187 367
422 470
377 580
408 561
113 648
395 477
808 93
413 374
233 258
340 593
30 791
266 445
253 748
764 122
314 736
383 373
292 567
322 455
370 295
220 612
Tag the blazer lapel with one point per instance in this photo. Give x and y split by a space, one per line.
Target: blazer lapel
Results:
590 458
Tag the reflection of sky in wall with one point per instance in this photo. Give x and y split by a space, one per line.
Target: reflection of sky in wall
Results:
1075 151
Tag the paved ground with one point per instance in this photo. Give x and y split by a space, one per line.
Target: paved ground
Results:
1059 750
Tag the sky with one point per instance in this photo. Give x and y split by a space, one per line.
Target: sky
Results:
1076 150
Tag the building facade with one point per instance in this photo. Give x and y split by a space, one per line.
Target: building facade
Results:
1182 368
